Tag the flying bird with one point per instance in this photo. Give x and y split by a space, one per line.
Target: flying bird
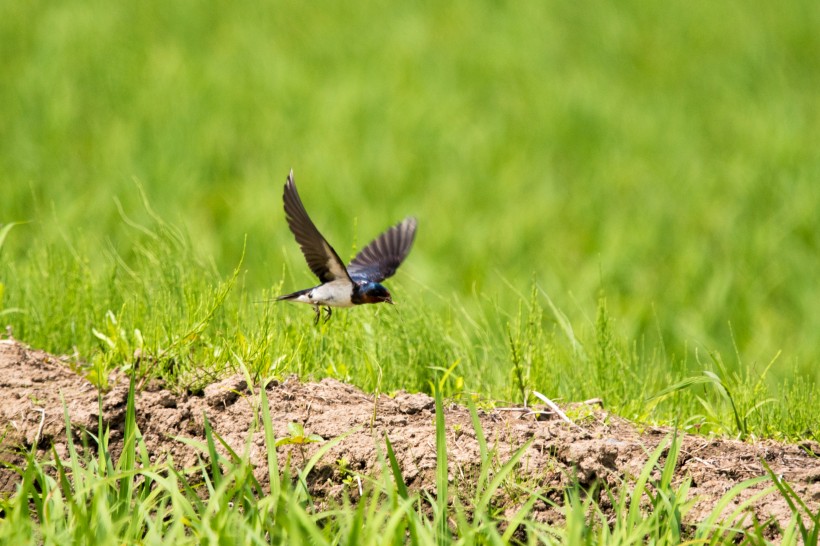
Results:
360 281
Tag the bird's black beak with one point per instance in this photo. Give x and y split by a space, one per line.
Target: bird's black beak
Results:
390 301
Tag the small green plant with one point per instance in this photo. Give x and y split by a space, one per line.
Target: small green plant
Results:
298 437
526 344
744 398
347 475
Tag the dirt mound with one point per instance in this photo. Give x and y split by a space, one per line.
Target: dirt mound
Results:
602 447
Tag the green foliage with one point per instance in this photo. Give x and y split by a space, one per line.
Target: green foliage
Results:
666 182
663 155
442 469
169 314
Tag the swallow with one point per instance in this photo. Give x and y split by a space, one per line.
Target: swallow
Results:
360 281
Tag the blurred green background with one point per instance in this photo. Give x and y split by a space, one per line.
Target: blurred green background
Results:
663 153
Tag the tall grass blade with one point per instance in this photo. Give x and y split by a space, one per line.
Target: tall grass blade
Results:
501 475
634 513
127 461
401 488
327 446
484 452
213 455
441 470
715 518
4 231
270 445
809 533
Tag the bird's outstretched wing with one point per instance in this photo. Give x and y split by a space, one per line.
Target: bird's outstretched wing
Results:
320 256
380 259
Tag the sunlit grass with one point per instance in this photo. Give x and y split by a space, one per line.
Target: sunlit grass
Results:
664 155
165 313
616 201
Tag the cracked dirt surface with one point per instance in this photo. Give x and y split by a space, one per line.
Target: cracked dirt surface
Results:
601 447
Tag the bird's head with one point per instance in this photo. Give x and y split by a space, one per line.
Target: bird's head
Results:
374 292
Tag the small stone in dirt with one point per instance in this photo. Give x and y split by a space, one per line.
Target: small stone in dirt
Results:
411 404
226 392
166 400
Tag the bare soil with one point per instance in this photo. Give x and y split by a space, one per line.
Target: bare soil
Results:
601 448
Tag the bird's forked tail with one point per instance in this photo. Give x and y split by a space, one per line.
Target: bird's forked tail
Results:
294 295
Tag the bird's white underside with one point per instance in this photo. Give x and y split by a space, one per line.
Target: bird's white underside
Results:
333 294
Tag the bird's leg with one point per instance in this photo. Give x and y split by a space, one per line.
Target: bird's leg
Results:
318 314
329 312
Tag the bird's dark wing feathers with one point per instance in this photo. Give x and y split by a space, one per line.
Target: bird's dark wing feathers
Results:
380 259
320 256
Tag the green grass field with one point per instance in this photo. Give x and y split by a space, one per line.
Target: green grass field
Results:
613 198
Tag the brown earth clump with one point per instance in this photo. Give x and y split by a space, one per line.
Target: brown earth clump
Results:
600 448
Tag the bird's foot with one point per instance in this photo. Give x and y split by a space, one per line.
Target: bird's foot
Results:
317 310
